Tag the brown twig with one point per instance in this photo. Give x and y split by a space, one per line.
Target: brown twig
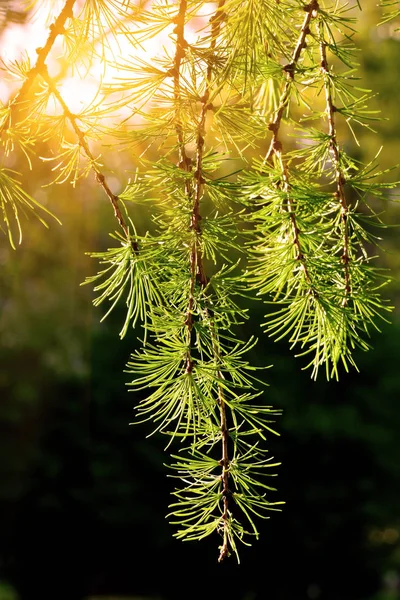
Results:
275 147
225 464
215 23
56 28
295 229
181 45
197 260
194 192
290 69
100 177
184 162
335 153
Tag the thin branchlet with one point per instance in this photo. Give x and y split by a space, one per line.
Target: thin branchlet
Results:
184 161
335 153
290 70
100 177
57 28
275 147
180 50
300 256
215 22
197 270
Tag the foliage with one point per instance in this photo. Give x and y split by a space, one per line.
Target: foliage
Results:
229 218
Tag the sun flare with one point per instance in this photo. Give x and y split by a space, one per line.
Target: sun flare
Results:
99 62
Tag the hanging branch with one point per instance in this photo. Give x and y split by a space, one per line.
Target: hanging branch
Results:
40 68
215 22
312 306
198 271
57 28
309 313
196 258
335 153
200 385
198 275
13 198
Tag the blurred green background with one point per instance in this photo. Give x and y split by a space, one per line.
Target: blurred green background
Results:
83 495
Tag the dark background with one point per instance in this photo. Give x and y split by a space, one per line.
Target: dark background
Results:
83 495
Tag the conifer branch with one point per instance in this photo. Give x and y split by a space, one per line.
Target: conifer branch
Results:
57 28
100 177
335 153
215 22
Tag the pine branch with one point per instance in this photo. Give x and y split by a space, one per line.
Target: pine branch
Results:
184 162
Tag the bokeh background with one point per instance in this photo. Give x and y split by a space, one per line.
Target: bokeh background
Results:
83 495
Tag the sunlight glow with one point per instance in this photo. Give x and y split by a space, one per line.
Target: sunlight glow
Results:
79 87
